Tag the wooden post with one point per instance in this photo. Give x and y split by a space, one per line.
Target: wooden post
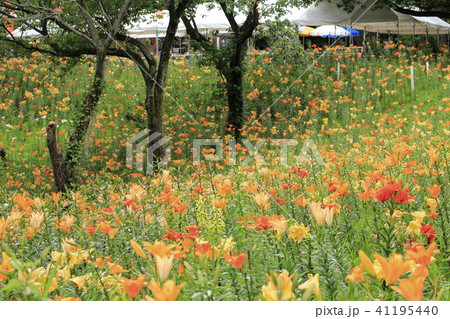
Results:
437 38
338 71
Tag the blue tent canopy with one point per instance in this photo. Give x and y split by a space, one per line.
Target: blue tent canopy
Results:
353 32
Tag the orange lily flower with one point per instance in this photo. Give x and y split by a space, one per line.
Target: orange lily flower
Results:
421 255
101 262
434 155
224 188
137 249
298 232
60 298
393 268
220 203
66 222
357 274
116 268
5 266
164 266
279 289
279 224
418 270
368 265
321 214
365 195
133 286
262 200
300 201
203 248
313 280
168 292
434 190
236 260
159 248
411 288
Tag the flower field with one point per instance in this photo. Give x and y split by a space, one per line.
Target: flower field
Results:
365 216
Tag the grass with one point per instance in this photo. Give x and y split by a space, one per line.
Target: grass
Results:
223 231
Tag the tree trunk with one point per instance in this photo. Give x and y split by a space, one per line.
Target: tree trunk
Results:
153 106
235 97
235 91
64 167
78 135
3 156
155 89
57 158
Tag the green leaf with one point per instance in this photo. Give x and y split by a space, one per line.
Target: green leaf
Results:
16 264
50 277
44 253
307 293
8 250
13 284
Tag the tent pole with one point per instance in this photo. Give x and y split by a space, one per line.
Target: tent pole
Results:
351 33
437 38
189 47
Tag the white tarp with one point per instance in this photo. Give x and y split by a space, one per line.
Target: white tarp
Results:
21 33
151 26
406 24
207 20
366 17
330 31
325 13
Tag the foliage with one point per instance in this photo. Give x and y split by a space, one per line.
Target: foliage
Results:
219 231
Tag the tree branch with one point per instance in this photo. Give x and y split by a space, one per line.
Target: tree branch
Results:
151 61
230 18
440 14
105 15
120 16
95 37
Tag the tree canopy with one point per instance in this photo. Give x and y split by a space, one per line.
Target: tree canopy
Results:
439 8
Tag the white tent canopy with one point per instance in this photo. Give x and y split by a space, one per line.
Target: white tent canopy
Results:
366 17
22 33
325 13
406 24
151 26
330 31
207 20
214 19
